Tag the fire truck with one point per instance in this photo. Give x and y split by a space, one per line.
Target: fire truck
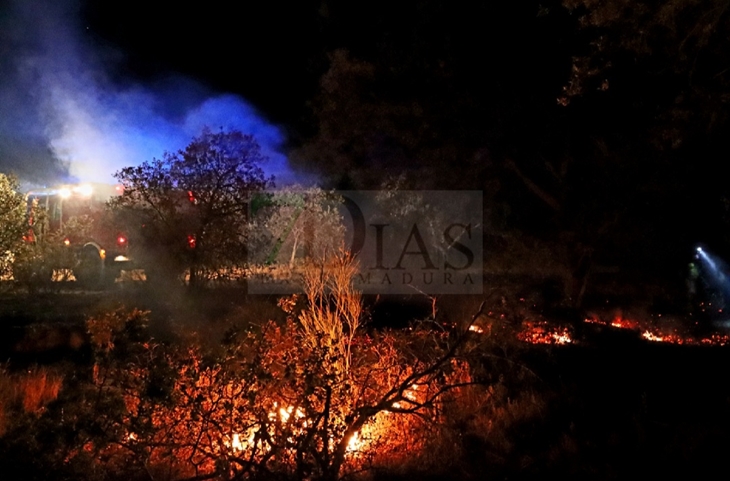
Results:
95 257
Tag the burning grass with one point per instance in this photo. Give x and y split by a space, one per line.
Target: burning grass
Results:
651 332
541 332
674 338
26 392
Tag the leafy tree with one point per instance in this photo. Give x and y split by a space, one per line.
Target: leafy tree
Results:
13 221
424 111
649 80
298 224
50 255
31 251
667 58
189 210
375 121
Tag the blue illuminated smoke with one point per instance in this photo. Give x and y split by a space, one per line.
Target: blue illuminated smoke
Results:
66 114
99 137
713 271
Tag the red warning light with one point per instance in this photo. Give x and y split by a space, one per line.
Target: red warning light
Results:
191 241
121 240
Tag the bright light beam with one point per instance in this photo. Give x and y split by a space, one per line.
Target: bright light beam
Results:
714 274
711 263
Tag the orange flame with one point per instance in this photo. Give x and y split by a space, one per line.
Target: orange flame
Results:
541 332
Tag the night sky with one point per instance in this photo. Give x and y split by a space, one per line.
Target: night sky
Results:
597 124
74 70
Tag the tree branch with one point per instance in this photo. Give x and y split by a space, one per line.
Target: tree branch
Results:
534 188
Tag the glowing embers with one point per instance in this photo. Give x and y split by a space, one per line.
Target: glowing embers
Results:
650 336
534 332
541 332
650 332
618 322
674 338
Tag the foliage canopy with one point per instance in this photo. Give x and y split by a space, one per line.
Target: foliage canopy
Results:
189 210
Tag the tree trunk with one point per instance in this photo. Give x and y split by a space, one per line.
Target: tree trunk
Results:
293 251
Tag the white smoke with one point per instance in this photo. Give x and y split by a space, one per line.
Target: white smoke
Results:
92 126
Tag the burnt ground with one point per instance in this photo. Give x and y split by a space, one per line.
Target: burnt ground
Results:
633 407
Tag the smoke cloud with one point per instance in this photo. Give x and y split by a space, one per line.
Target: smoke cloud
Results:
63 118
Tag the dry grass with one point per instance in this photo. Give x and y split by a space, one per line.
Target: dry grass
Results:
26 392
335 306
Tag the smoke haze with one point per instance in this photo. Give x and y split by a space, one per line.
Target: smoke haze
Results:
64 118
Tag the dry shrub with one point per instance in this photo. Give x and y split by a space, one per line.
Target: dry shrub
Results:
37 388
425 442
106 328
28 392
499 414
6 400
334 311
314 397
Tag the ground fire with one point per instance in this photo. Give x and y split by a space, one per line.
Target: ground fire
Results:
541 332
651 332
545 332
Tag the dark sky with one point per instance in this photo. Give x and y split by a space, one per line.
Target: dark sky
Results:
274 53
270 52
91 86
